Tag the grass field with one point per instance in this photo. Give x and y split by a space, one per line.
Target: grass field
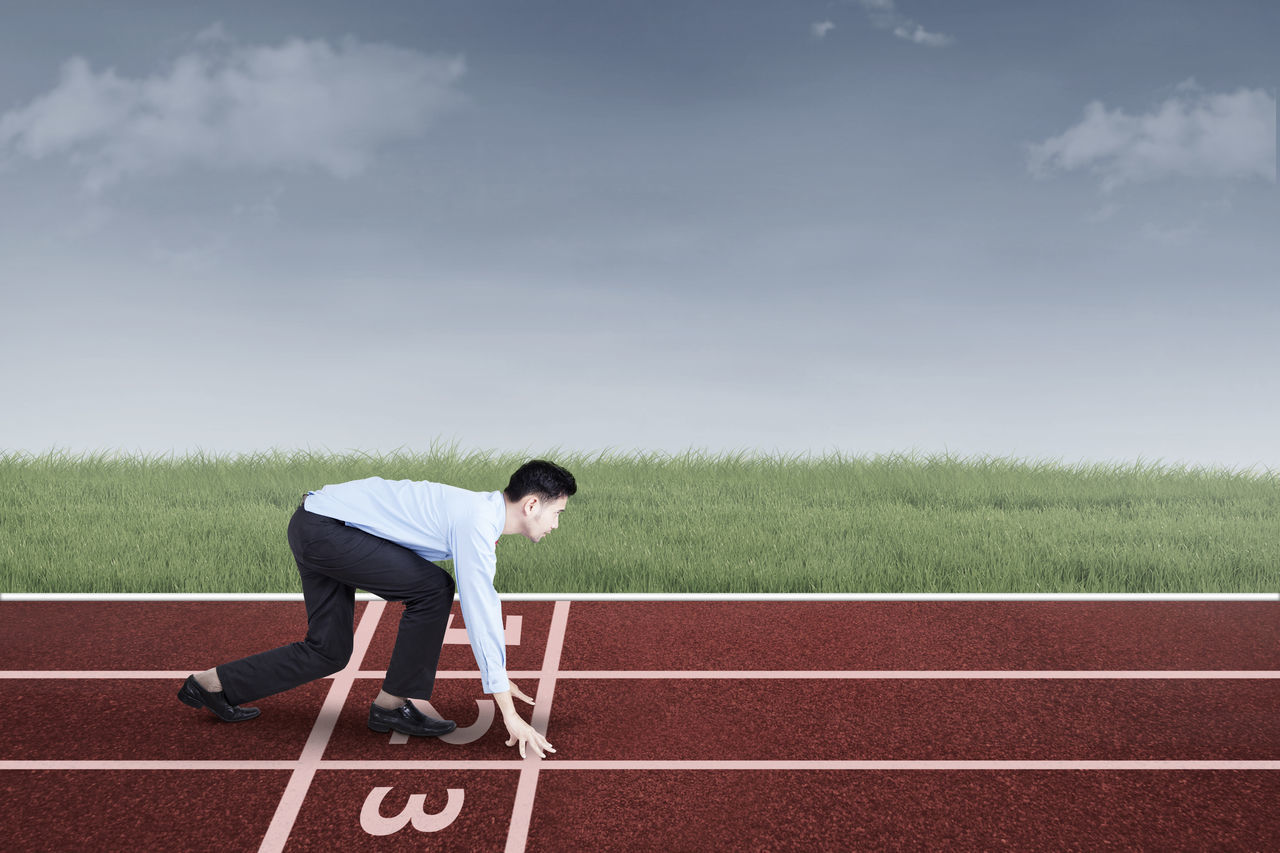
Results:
662 523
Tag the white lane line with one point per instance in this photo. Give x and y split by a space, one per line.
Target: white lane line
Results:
673 764
923 673
123 674
1266 674
818 764
550 668
674 596
148 764
522 811
309 761
472 674
890 764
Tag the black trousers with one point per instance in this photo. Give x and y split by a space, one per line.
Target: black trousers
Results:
333 560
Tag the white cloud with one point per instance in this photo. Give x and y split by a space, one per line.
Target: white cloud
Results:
918 34
1191 134
884 14
297 105
821 28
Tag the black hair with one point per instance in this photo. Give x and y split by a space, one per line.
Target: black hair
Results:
539 477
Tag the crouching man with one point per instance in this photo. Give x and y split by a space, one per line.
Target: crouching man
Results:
382 536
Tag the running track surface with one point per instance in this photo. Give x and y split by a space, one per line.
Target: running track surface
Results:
677 726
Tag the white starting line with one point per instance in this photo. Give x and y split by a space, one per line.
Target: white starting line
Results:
551 763
737 675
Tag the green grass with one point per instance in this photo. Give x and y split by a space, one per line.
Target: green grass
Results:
662 523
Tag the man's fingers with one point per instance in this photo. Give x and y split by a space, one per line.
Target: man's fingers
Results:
534 739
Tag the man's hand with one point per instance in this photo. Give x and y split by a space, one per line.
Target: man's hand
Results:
520 731
524 733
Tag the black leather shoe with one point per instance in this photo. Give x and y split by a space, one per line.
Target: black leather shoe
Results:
197 697
409 720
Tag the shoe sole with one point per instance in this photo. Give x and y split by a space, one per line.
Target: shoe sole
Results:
383 728
188 698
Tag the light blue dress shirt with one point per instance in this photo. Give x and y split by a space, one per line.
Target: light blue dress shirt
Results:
437 522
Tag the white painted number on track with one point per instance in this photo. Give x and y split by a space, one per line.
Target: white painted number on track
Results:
458 636
372 821
484 719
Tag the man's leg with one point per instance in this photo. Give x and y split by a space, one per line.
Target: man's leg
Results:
333 560
330 603
420 636
427 593
395 573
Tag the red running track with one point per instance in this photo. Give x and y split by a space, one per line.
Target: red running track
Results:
678 726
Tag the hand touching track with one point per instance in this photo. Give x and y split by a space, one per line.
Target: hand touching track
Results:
520 731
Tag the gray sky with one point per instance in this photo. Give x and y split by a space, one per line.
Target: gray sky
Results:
1042 230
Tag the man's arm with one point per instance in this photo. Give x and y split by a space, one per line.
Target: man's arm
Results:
475 564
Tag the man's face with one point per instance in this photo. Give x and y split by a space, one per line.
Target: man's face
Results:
541 518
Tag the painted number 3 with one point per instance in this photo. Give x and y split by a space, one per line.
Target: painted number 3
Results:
372 821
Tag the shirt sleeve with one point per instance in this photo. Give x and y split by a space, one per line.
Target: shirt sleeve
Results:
475 561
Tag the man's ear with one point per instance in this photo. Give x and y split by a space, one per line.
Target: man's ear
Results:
530 504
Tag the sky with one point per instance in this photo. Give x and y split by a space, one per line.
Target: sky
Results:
1004 228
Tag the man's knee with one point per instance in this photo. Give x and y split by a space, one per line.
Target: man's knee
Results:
331 654
437 596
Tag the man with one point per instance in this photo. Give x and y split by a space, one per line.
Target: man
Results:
381 536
